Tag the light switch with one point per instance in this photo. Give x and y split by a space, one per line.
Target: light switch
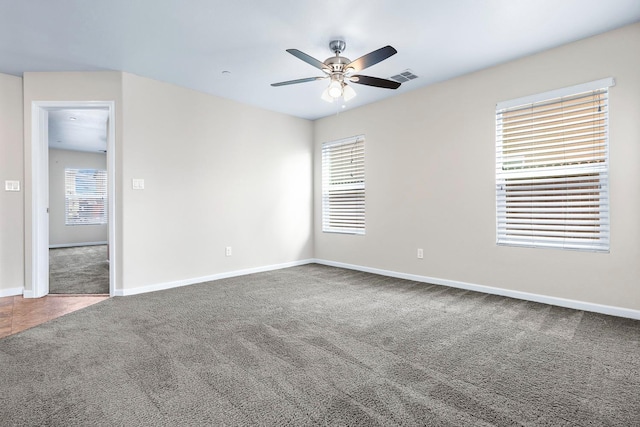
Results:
12 186
138 184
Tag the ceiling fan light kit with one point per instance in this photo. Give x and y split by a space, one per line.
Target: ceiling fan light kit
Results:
335 89
348 93
340 71
325 96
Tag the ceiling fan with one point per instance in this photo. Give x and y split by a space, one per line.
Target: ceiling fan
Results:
340 70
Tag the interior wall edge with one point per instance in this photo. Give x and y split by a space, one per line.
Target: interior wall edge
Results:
203 279
11 292
66 89
526 296
11 202
431 175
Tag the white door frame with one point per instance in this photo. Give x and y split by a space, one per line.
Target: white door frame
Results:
40 190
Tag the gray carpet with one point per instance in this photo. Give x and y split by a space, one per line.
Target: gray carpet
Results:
79 270
317 345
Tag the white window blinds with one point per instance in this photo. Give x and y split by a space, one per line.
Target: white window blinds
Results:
343 203
552 169
85 196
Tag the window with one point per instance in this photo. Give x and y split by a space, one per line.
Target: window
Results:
85 196
552 166
343 186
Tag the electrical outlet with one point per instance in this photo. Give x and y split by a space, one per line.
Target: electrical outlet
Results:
420 253
227 251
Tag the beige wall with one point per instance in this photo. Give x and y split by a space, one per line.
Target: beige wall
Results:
217 173
11 203
59 233
430 179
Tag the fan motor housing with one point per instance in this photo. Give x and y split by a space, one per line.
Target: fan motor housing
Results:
337 63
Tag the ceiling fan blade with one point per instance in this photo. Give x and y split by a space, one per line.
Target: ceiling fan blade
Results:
293 82
308 59
371 58
374 81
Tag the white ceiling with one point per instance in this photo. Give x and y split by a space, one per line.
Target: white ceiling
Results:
190 43
78 129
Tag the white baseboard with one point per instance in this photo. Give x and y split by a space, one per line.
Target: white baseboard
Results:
11 292
544 299
192 281
74 245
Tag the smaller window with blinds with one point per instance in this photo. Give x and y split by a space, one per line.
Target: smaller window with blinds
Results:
85 196
343 197
552 169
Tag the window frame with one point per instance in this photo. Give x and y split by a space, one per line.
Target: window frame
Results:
539 179
98 197
336 218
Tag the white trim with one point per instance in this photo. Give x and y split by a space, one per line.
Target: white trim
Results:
39 190
350 192
39 201
544 299
195 280
348 140
111 192
536 160
75 245
11 292
86 184
557 93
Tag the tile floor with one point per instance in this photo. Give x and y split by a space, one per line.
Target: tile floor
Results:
18 313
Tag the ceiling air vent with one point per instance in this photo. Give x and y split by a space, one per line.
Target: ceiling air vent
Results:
404 76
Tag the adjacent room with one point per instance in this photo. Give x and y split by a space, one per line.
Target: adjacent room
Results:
338 213
78 201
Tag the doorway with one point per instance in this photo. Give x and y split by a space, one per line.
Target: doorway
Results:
83 229
78 201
